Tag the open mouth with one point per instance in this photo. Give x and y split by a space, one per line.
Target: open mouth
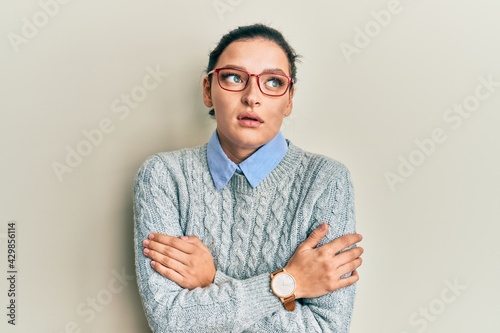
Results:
248 116
249 120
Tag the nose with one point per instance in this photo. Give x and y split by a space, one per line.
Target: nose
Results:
252 94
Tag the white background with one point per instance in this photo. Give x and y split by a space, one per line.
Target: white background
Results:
435 226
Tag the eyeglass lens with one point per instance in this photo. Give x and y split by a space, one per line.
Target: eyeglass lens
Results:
236 80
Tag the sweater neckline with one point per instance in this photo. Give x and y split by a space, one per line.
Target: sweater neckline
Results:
285 168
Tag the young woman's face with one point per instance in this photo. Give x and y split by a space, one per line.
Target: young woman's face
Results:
248 119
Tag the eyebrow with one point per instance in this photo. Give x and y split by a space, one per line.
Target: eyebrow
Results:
267 70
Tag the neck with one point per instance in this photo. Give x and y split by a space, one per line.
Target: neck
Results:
237 155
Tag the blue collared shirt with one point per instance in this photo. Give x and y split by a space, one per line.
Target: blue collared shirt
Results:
255 168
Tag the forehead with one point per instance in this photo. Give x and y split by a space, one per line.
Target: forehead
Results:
255 56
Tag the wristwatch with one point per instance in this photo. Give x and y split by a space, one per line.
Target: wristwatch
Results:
283 286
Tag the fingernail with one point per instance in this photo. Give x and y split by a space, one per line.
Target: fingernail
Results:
146 251
153 263
184 237
151 236
145 242
323 226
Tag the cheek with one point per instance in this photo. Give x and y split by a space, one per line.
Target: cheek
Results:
278 116
278 121
223 102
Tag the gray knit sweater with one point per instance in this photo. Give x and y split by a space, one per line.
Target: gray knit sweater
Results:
250 232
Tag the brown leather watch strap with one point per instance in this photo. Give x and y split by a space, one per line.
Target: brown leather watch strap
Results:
289 302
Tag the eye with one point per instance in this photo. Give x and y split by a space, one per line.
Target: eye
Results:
274 82
231 78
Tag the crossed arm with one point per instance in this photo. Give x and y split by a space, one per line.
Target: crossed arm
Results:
183 292
186 261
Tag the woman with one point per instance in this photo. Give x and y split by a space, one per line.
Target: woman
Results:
247 233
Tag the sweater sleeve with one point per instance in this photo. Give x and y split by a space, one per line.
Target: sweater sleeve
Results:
330 313
228 305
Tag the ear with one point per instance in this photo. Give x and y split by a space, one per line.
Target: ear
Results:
288 109
207 93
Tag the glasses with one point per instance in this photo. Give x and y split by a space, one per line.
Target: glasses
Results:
270 84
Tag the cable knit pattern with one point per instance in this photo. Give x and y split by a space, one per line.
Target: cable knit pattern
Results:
250 232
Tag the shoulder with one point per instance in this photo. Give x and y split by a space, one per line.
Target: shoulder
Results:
176 156
321 167
172 161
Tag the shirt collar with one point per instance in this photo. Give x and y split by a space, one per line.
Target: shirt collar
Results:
255 168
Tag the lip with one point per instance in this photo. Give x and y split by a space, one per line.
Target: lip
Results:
249 119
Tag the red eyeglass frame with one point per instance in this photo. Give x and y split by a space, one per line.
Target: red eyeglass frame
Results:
217 70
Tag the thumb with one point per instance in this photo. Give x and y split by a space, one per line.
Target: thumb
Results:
194 240
316 236
189 239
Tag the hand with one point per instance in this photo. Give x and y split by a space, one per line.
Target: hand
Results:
318 271
184 260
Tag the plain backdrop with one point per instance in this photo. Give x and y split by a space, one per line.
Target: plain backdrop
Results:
405 93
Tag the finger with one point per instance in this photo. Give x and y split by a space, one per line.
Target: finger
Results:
167 272
349 267
348 255
172 241
316 236
192 239
350 280
167 251
165 261
196 242
337 245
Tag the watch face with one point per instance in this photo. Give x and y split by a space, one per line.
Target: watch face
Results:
283 285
